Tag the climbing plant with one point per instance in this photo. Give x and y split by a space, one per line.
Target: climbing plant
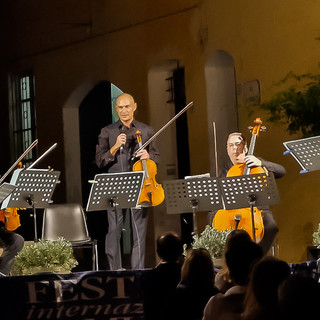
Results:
298 106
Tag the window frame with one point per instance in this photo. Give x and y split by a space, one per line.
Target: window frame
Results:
22 115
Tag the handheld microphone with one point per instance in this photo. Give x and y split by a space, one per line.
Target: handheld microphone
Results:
122 131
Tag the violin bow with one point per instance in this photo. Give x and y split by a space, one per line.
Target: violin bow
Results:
43 155
161 129
215 148
33 144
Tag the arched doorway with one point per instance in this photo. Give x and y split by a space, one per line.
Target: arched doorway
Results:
94 113
87 110
166 98
221 104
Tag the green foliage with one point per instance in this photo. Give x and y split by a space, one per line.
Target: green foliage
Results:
316 237
298 108
210 239
51 256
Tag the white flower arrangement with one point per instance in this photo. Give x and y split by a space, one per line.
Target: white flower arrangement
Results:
210 239
45 256
316 237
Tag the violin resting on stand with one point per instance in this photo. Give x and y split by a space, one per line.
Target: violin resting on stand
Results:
10 216
152 193
249 219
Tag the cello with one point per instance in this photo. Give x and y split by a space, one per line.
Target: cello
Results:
249 219
152 193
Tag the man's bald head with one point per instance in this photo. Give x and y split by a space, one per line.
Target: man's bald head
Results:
125 107
126 96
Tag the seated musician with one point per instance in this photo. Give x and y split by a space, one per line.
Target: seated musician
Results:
237 149
10 242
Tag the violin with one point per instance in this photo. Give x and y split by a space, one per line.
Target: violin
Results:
10 216
152 193
244 218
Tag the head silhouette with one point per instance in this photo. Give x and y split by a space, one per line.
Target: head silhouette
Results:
169 247
240 258
198 268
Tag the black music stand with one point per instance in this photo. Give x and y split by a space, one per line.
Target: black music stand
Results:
249 190
5 190
199 194
306 152
34 190
115 191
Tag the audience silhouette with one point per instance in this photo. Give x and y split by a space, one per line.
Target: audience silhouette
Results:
299 297
161 282
250 286
223 281
261 301
195 288
240 257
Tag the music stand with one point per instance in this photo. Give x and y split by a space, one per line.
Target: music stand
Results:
249 190
115 190
306 152
5 190
34 190
199 194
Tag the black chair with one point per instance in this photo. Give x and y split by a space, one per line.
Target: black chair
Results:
69 221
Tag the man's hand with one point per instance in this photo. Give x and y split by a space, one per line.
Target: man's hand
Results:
252 161
121 140
143 154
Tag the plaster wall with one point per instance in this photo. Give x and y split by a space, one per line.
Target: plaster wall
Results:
70 44
267 41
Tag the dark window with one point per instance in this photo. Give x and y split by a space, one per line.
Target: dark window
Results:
23 116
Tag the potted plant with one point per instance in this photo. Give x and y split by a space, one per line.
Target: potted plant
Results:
212 240
316 237
45 256
313 252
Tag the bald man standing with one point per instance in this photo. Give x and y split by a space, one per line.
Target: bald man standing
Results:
117 143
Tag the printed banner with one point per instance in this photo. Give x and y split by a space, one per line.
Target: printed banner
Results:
114 295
